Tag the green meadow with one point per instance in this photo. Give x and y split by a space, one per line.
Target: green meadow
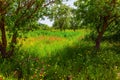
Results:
47 43
66 55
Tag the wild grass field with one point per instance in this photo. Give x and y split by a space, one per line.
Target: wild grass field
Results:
66 55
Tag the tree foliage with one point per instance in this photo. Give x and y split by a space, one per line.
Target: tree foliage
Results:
61 14
75 22
99 15
16 16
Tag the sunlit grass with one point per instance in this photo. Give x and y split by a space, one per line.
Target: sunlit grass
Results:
56 55
52 42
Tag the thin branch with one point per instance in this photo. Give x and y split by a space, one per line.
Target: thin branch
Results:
113 19
29 4
51 2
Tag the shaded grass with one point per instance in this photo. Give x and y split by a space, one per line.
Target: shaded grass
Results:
64 57
84 63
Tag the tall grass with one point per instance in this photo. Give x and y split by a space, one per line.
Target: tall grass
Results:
51 55
48 42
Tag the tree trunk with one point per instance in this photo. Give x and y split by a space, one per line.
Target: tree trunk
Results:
61 28
3 44
100 34
64 29
74 29
12 45
98 40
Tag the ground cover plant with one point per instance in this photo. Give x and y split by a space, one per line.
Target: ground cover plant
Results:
55 56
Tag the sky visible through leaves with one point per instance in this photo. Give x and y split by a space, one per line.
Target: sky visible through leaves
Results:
48 22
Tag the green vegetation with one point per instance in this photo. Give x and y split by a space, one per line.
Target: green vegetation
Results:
55 55
99 15
61 14
87 46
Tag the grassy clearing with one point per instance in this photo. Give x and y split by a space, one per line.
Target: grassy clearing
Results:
47 43
55 56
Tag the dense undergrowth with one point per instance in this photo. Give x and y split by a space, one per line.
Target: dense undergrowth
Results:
53 55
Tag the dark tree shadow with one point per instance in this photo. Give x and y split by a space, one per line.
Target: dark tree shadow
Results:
82 61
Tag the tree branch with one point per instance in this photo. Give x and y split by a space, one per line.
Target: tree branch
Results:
113 19
53 1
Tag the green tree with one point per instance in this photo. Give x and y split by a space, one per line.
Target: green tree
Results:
61 14
15 16
99 15
74 20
